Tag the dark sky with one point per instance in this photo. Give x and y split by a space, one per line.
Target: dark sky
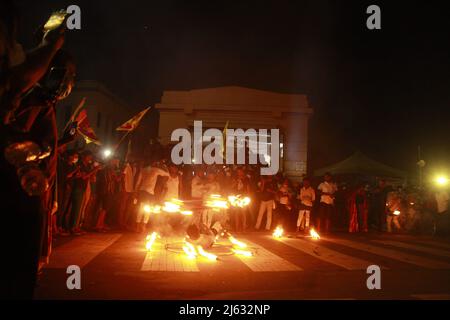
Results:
382 92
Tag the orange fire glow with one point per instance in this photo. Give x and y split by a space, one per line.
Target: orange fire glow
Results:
150 241
278 233
236 242
313 233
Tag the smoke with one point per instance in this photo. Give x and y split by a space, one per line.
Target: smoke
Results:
170 226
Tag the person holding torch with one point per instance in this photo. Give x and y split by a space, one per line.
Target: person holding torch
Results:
393 206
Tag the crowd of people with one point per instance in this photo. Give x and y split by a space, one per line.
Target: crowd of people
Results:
101 196
48 191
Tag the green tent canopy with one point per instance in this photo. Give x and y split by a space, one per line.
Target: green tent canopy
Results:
360 164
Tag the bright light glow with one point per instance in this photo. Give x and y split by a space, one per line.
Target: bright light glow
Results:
243 252
238 201
245 201
172 206
442 180
150 240
189 250
216 202
233 200
278 233
187 213
313 233
151 209
156 209
396 213
147 209
205 254
107 153
236 242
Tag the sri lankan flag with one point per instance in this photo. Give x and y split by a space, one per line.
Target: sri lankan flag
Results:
133 123
84 128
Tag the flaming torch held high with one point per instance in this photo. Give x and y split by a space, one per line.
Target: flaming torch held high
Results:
278 233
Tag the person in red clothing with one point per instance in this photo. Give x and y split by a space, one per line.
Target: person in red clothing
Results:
358 210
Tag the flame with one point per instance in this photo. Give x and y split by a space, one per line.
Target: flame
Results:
396 213
238 201
245 201
151 209
313 233
278 233
216 202
150 240
236 242
243 252
189 250
147 209
205 254
156 209
172 206
233 200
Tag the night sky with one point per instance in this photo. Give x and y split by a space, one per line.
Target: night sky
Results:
382 92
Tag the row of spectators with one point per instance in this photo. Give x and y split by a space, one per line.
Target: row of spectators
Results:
97 196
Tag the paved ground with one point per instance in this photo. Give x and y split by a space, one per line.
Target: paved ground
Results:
117 266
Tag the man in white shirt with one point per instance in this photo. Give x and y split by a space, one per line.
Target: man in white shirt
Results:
172 184
327 190
307 197
149 178
146 187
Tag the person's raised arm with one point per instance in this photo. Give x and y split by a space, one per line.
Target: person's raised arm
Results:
23 77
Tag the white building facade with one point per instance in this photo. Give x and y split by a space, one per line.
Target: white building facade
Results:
243 108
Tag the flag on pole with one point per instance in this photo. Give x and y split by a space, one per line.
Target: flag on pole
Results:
84 128
75 113
133 123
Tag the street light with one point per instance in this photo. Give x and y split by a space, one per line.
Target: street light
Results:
442 181
107 153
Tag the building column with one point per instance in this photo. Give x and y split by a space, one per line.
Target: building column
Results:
295 127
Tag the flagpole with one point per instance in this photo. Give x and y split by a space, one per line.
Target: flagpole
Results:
134 123
81 105
122 139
